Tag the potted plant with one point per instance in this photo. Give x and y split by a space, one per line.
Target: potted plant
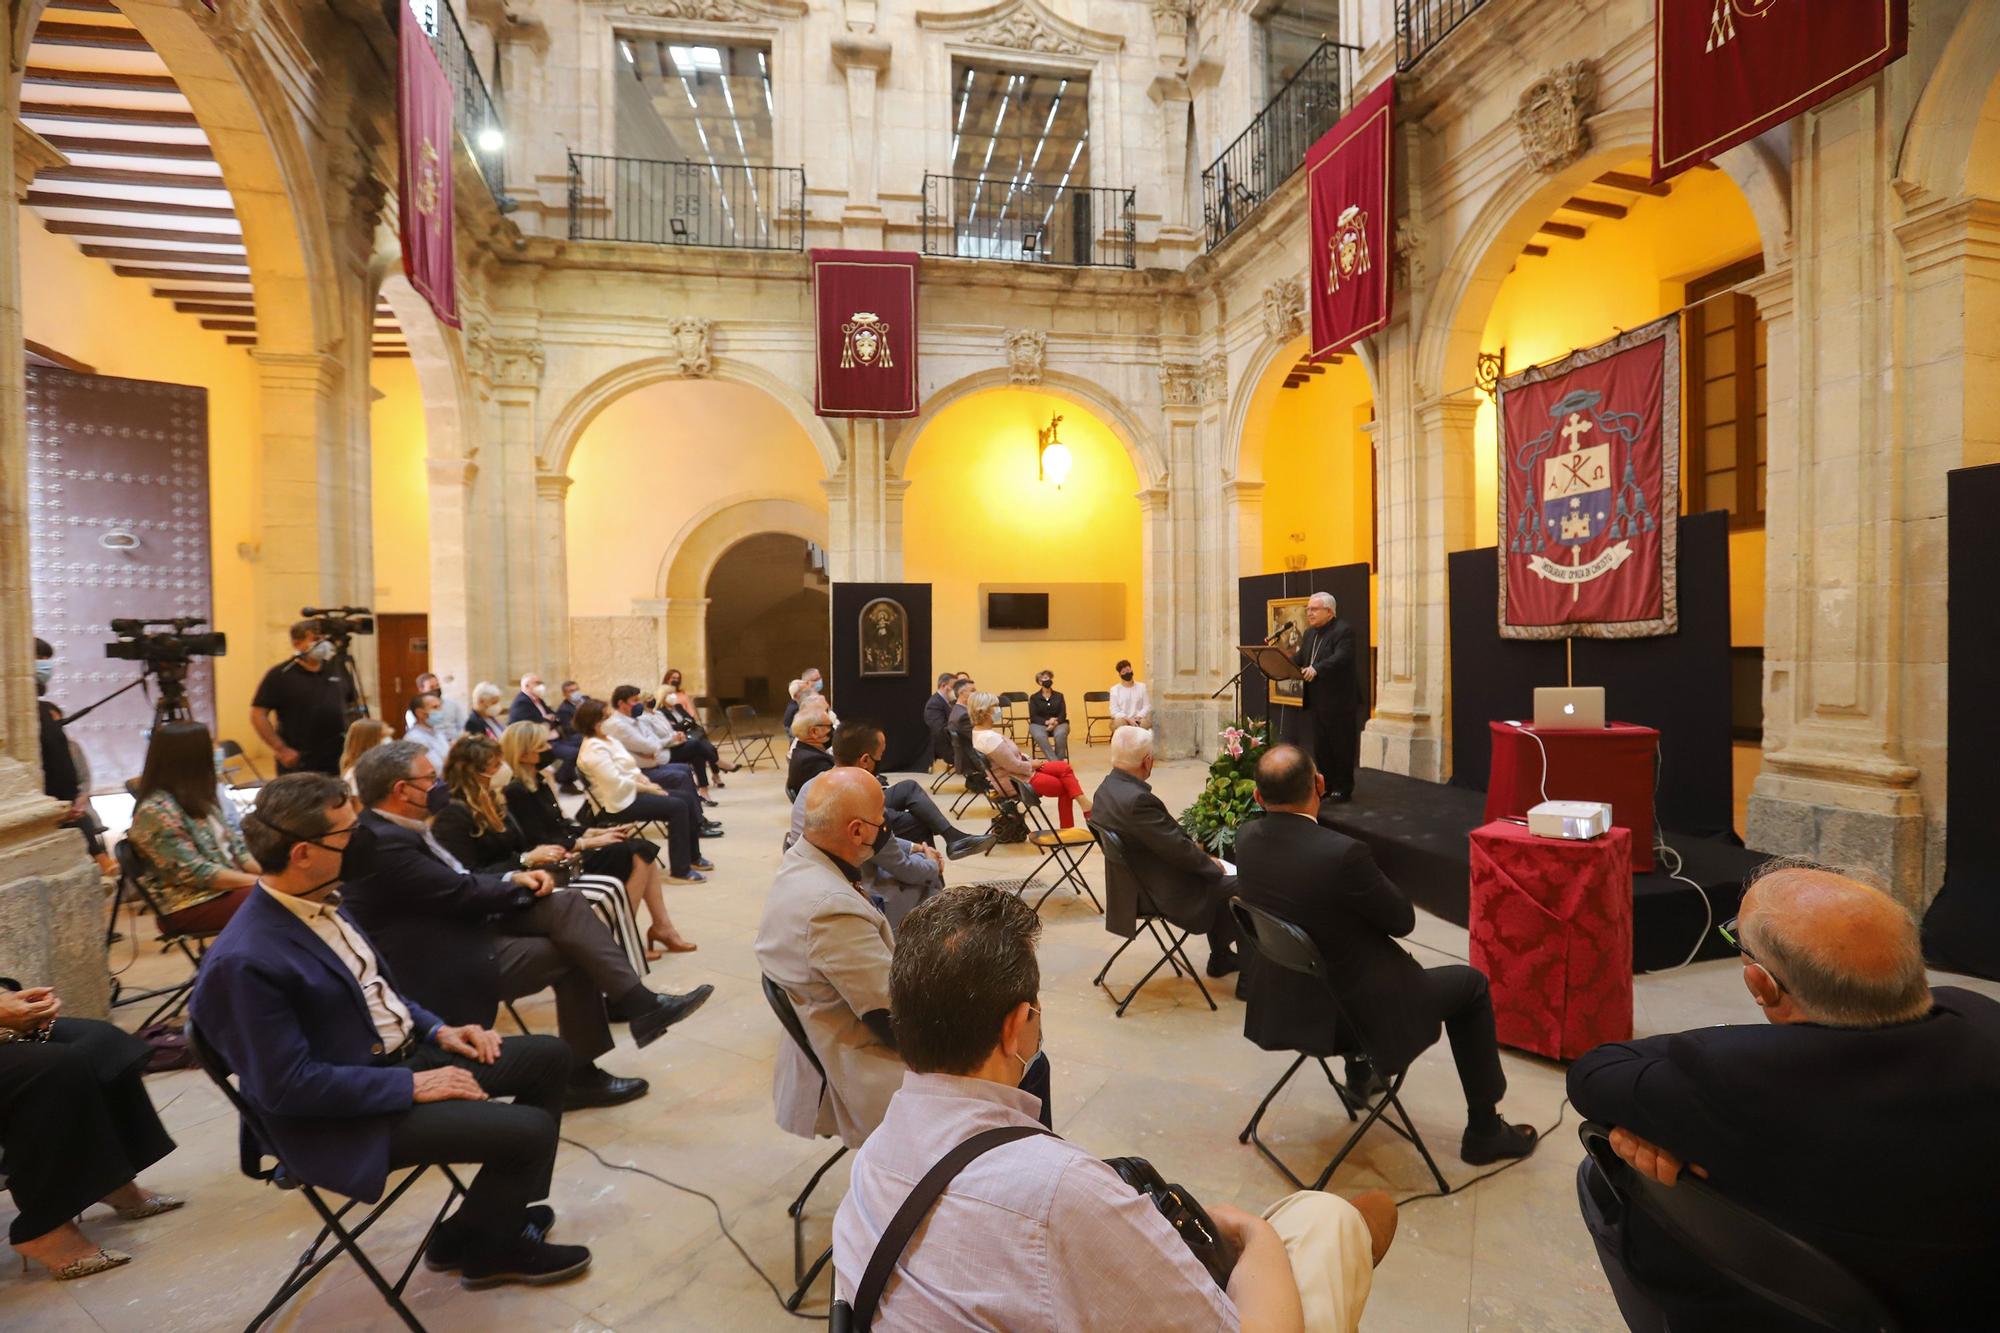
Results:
1230 798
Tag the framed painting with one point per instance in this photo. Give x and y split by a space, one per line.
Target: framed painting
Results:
1285 627
885 638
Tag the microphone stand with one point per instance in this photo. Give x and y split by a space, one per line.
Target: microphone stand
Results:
1235 682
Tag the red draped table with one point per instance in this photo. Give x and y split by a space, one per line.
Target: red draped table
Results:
1552 931
1613 764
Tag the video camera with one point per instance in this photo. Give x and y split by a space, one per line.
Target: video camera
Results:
340 623
138 642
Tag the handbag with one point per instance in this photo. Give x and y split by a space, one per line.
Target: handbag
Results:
1184 1213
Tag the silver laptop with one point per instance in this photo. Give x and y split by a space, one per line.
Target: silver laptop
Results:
1572 709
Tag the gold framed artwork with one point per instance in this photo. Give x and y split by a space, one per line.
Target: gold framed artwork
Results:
1285 628
885 638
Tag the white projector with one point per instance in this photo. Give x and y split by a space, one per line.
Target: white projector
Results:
1569 819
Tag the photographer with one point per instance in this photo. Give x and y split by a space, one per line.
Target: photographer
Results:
300 709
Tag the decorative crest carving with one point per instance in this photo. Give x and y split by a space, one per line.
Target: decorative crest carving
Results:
691 351
1170 18
1285 308
1180 384
1027 352
502 363
1022 25
703 11
1551 113
1024 30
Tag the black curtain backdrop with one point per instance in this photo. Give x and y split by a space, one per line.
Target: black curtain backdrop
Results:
1349 586
1962 928
1679 683
893 703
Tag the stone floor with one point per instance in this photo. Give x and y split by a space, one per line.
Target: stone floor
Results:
1170 1080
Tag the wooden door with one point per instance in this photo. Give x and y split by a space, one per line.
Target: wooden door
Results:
403 652
117 527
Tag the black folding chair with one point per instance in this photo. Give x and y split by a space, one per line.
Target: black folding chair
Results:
788 1019
1015 725
1282 944
968 764
346 1239
753 745
1093 721
231 768
1057 845
1751 1251
191 943
1127 912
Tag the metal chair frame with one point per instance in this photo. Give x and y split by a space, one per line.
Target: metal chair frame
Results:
1046 837
1272 936
1172 946
192 944
969 764
1091 720
752 747
788 1018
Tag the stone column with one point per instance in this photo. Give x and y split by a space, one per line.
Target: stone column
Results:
303 460
552 603
454 570
865 508
506 504
684 640
864 58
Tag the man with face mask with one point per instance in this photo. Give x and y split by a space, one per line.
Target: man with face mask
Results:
1048 718
353 1077
300 708
1131 705
421 726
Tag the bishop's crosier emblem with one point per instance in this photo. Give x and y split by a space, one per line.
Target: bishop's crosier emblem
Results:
1348 250
865 341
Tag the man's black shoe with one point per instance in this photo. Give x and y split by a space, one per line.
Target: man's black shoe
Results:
971 844
448 1249
1494 1141
710 829
1222 964
535 1263
648 1027
593 1088
1363 1083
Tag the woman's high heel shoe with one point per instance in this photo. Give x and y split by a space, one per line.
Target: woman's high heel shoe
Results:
152 1207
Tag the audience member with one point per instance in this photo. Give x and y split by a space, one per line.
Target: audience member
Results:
452 714
531 704
76 1129
572 697
1328 885
1858 1116
1190 888
696 750
62 777
669 741
462 943
811 734
617 852
489 711
809 685
1048 718
1130 705
898 872
1054 779
627 795
301 706
937 716
197 865
363 735
622 725
1038 1234
351 1091
420 728
958 720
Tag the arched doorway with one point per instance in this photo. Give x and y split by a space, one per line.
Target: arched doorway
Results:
767 619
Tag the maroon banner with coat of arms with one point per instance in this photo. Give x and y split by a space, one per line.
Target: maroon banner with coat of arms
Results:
1348 186
424 105
865 331
1589 489
1724 71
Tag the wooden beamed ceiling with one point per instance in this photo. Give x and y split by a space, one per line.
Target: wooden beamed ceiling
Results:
142 190
1608 198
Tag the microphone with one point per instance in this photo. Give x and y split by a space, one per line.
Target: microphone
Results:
1280 630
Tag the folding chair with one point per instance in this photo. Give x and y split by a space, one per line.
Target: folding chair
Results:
1093 721
1127 910
233 763
968 765
1282 944
1014 724
753 746
1057 845
191 943
788 1019
592 813
1751 1251
346 1239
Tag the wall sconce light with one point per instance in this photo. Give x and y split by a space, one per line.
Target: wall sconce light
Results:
1487 373
491 140
1054 457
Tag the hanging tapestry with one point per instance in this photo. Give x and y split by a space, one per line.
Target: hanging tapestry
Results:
865 326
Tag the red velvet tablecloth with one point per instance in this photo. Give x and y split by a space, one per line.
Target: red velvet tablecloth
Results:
1552 931
1612 764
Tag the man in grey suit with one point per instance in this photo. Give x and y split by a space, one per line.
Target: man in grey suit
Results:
1191 888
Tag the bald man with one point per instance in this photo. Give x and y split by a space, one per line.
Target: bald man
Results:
1860 1116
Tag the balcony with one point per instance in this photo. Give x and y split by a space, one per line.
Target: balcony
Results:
478 116
1422 24
981 217
1265 155
726 205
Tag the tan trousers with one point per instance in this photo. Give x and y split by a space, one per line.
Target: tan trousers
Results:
1333 1258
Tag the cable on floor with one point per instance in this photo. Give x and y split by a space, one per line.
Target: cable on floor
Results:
727 1234
1504 1166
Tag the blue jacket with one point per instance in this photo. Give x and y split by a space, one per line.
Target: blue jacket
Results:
291 1021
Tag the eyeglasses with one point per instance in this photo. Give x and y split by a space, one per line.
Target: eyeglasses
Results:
1728 931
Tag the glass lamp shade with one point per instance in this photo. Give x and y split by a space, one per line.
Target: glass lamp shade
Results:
1055 463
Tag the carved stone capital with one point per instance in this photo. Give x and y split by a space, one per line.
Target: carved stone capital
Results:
1551 113
32 155
1215 378
862 50
1410 253
1027 353
1180 384
691 351
502 363
1285 308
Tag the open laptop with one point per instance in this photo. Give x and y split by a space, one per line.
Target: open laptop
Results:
1570 709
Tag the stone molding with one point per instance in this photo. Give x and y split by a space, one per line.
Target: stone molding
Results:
1551 113
1215 378
717 11
503 363
1027 354
1022 25
32 155
1285 309
552 485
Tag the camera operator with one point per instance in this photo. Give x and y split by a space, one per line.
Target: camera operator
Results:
60 777
301 707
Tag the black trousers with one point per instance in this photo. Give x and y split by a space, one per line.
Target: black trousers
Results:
75 1121
700 757
1458 995
514 1146
914 816
559 942
565 751
680 814
1334 741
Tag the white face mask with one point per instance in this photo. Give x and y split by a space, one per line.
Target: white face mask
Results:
501 777
544 693
321 651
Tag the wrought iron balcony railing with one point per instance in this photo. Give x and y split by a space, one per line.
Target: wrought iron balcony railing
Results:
732 206
1265 155
1422 24
985 217
478 115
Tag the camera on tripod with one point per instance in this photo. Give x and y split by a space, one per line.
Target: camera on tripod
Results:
340 623
139 642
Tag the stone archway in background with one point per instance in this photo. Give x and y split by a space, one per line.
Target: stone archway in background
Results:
694 556
767 606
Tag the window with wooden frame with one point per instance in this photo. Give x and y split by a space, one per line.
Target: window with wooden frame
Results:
1726 405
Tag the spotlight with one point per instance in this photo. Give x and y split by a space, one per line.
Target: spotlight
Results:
1055 457
491 140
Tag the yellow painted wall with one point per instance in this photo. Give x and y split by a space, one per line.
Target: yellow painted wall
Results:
976 513
1624 273
399 488
77 306
658 457
1316 466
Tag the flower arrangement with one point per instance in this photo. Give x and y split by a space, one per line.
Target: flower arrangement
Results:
1230 798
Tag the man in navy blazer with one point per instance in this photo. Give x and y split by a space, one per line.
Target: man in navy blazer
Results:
350 1079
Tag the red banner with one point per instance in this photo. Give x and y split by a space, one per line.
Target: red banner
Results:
423 103
865 330
1589 485
1353 241
1727 70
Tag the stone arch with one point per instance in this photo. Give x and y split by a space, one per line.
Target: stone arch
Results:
1952 145
566 431
1140 446
705 538
1271 352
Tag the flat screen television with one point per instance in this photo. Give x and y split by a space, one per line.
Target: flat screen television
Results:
1017 610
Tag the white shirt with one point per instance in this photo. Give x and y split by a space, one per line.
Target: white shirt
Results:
427 735
610 771
657 726
386 1009
1131 701
638 742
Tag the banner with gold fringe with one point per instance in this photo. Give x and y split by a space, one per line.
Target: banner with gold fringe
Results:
424 107
865 330
1349 189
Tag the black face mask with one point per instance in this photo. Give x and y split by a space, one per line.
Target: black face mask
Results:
1124 675
357 859
437 798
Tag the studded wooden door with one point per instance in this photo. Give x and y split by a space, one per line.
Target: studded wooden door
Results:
118 527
